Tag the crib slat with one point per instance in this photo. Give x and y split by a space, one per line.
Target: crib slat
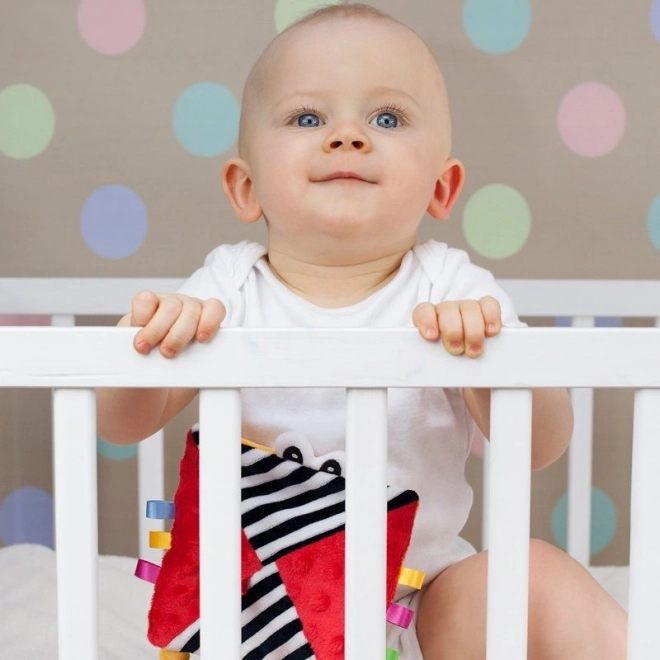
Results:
509 515
220 533
366 516
644 605
76 523
151 486
580 452
580 456
63 320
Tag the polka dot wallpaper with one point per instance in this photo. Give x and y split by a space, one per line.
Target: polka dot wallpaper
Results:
116 117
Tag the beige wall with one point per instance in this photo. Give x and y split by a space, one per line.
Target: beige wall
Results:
114 125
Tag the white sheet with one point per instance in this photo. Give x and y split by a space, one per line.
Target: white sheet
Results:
28 604
28 610
614 579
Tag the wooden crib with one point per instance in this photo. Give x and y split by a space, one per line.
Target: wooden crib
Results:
73 361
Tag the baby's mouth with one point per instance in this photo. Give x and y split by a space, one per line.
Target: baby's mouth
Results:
347 176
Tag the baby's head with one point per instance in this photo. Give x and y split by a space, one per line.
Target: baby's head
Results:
345 134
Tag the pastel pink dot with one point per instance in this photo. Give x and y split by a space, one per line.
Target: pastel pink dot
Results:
24 319
591 119
111 27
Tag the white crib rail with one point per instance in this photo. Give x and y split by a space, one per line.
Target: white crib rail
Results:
582 300
112 295
73 360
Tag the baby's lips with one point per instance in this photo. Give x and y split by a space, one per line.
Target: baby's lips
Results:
343 174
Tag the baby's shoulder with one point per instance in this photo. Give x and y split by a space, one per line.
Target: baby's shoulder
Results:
440 262
233 261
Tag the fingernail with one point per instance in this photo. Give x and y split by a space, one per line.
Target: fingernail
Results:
167 352
143 347
430 333
456 346
491 327
203 336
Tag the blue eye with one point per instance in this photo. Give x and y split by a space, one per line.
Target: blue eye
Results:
309 119
386 120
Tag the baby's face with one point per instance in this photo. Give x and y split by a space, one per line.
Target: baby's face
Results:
347 135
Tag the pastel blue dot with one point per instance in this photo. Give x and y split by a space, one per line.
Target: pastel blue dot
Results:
497 26
27 516
206 119
603 521
115 452
114 222
599 322
608 322
654 19
654 223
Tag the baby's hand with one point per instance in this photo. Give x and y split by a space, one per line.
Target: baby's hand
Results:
461 325
172 320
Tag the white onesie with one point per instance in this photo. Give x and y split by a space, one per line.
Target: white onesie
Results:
429 429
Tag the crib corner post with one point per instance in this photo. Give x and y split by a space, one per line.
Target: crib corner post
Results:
76 521
644 606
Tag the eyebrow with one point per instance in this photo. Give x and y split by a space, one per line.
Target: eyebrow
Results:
378 91
393 91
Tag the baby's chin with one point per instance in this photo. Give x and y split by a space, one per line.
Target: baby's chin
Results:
336 244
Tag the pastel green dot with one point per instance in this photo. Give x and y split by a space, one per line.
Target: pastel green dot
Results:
27 121
115 452
496 221
289 11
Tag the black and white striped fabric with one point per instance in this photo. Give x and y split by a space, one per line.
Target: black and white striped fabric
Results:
286 507
270 624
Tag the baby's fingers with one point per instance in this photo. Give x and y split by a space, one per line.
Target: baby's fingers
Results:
492 314
166 315
197 319
451 322
213 314
143 307
474 327
425 319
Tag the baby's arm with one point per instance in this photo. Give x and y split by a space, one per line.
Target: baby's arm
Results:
463 327
169 321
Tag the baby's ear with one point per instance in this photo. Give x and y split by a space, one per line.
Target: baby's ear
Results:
447 189
238 187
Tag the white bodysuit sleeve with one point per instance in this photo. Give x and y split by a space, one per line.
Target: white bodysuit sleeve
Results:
455 277
223 275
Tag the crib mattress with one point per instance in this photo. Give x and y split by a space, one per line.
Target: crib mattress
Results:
28 609
28 604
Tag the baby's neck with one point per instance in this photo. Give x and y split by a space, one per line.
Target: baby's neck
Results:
334 286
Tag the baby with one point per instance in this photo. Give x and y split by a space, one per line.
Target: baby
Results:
345 144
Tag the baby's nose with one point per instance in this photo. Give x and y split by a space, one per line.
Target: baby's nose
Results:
350 144
347 137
